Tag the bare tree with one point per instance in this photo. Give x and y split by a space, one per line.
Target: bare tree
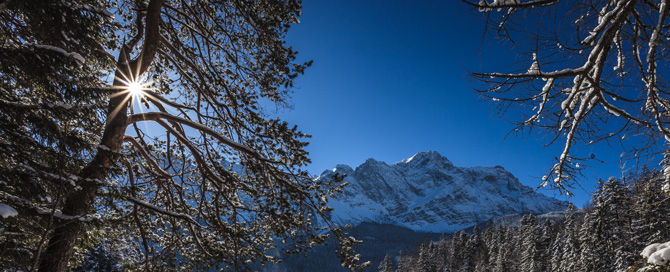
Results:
189 165
593 71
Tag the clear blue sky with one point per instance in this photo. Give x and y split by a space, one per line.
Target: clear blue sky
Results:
390 79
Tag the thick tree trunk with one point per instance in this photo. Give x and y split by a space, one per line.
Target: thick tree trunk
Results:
79 203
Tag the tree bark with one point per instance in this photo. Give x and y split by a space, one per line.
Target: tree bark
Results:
79 203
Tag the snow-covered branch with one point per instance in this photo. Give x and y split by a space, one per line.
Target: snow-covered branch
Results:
568 72
576 103
164 211
44 211
484 5
74 55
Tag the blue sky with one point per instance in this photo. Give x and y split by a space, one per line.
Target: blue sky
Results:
390 78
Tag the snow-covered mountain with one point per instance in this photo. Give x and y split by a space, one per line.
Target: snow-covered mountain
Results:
428 193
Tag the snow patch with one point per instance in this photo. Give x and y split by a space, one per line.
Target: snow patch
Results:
74 55
658 254
7 211
535 66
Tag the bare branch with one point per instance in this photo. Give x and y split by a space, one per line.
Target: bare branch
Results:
154 116
146 156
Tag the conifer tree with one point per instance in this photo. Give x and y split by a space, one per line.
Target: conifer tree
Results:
503 257
53 63
544 246
403 263
477 250
530 233
494 244
442 253
649 203
556 253
424 263
570 252
386 265
606 230
457 251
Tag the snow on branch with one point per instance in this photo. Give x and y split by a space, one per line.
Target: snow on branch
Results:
567 72
43 211
194 151
545 97
579 96
535 66
484 5
7 211
76 56
657 254
164 211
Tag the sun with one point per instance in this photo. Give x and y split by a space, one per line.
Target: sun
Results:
136 89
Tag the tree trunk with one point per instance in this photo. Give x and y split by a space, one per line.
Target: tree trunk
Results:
79 203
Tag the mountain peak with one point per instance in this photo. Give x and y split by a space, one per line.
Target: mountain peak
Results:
425 155
428 158
340 168
371 162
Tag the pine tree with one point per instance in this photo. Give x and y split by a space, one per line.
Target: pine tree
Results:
494 245
649 203
478 252
544 246
556 253
403 263
386 265
588 257
606 230
530 233
457 253
502 257
513 246
52 69
424 263
570 252
442 254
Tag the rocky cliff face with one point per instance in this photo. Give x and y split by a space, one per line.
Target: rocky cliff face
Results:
428 193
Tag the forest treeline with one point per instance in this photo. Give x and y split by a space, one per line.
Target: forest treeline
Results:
624 216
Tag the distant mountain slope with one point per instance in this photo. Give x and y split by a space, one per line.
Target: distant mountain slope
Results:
428 193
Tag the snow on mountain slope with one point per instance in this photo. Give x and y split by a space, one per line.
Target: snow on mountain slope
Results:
428 193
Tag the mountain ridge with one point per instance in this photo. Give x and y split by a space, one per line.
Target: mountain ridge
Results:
426 192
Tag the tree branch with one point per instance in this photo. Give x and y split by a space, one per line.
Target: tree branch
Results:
154 116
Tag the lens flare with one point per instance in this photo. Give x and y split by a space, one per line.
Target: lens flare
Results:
136 89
